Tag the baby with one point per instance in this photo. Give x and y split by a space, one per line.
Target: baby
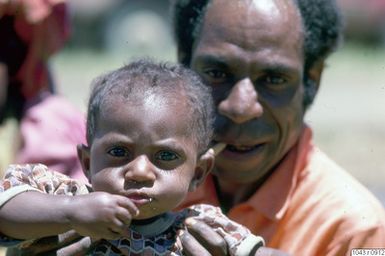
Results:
148 130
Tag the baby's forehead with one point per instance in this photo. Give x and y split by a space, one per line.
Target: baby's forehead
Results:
166 116
141 96
150 103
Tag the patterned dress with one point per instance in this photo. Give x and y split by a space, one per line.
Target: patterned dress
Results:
160 237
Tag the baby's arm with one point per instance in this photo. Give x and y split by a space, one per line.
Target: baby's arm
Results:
33 214
36 202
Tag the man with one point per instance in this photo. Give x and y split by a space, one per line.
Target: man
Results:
264 60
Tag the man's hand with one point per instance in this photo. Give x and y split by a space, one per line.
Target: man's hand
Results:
200 240
101 215
66 244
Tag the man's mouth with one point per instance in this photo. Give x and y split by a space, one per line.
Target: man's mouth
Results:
239 149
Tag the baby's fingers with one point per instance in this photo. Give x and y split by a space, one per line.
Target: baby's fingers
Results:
117 229
124 216
128 205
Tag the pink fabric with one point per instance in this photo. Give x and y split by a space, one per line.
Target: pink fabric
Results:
50 131
44 26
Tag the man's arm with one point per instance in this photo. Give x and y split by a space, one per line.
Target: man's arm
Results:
66 244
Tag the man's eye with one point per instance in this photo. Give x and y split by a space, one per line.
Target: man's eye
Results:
118 152
166 156
215 74
274 80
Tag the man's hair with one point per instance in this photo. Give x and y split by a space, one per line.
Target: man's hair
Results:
321 20
146 78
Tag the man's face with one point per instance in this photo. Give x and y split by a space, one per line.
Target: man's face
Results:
141 151
250 53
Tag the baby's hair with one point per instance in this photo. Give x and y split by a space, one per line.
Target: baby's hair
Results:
147 78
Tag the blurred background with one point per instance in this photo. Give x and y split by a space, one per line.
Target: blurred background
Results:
348 116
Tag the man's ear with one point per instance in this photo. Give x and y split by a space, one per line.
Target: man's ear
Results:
84 158
314 75
204 166
315 72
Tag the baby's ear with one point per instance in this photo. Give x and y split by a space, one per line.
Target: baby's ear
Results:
204 166
84 158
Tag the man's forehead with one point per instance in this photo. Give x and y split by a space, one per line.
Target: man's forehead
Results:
255 22
267 6
248 10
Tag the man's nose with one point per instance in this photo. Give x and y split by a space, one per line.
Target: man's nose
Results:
242 104
140 170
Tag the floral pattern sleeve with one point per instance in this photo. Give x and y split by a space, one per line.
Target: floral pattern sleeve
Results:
35 177
21 178
240 240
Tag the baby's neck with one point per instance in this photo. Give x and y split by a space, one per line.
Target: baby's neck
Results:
153 226
146 221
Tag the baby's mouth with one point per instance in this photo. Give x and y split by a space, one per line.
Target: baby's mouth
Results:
140 199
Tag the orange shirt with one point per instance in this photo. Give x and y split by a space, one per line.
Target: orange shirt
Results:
309 206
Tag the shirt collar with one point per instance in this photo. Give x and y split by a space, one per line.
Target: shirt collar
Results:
274 196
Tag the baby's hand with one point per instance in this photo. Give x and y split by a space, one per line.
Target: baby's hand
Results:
101 215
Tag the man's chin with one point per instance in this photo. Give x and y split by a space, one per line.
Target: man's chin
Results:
241 176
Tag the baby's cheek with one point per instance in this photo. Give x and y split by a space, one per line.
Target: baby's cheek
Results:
176 193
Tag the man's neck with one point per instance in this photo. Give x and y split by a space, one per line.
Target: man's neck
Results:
232 193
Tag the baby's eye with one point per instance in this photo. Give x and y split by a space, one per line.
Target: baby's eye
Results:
166 156
118 152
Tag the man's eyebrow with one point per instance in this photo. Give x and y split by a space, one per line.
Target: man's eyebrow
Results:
272 66
213 59
280 67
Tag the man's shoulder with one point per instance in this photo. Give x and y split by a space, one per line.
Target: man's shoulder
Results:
338 195
330 211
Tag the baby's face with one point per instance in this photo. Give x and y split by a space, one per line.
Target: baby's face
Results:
144 151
